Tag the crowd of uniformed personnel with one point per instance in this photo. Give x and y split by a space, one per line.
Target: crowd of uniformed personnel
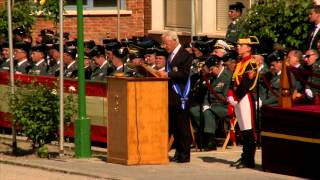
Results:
42 57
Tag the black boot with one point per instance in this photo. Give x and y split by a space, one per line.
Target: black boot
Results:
236 163
211 144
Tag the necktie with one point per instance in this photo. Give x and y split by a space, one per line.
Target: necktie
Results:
171 57
313 34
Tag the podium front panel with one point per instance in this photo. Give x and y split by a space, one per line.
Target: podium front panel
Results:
137 121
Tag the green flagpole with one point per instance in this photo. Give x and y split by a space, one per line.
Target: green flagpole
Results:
82 124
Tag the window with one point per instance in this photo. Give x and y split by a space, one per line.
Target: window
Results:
97 4
178 15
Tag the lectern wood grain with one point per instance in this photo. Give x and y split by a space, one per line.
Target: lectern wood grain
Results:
138 120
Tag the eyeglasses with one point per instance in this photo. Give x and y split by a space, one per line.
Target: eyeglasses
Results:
308 55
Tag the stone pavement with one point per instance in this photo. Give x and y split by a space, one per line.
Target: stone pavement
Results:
203 165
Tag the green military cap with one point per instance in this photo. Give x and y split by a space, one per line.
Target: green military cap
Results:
97 50
237 6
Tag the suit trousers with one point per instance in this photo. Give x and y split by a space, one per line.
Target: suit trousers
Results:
179 126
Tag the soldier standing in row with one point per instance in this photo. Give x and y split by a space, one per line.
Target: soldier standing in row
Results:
233 31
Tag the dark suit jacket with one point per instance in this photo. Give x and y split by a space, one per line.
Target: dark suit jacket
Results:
179 73
315 40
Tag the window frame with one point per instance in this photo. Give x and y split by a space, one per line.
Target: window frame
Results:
90 6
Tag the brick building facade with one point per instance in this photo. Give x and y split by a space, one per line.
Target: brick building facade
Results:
135 20
147 17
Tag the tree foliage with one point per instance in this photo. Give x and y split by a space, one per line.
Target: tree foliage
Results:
21 16
284 22
24 13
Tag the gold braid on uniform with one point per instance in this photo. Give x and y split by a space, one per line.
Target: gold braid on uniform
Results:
241 69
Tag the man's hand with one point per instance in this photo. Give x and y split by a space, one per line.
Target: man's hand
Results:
231 100
163 74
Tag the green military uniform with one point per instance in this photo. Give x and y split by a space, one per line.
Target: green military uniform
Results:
40 69
23 68
271 98
315 80
233 32
214 108
100 73
218 108
5 65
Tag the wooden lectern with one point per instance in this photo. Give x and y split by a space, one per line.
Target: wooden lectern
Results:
137 120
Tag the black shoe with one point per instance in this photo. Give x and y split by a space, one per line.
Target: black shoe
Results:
211 147
245 165
236 163
184 160
173 159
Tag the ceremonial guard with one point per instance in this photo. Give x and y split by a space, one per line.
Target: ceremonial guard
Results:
244 80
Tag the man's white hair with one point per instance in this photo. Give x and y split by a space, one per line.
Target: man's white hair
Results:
171 35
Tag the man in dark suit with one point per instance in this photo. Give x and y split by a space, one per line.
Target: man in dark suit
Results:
314 36
178 69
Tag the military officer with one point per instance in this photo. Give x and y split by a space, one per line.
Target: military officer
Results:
150 57
214 107
54 54
233 31
40 66
69 58
119 57
103 67
5 65
312 60
270 97
161 59
21 54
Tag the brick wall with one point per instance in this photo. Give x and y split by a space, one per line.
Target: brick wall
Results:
96 27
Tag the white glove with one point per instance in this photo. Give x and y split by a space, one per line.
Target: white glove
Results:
260 103
205 107
231 100
308 93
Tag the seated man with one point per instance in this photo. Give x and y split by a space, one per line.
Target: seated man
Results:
40 66
313 63
161 60
69 58
5 59
103 67
214 106
21 54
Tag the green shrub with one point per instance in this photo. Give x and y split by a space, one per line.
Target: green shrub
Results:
35 108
